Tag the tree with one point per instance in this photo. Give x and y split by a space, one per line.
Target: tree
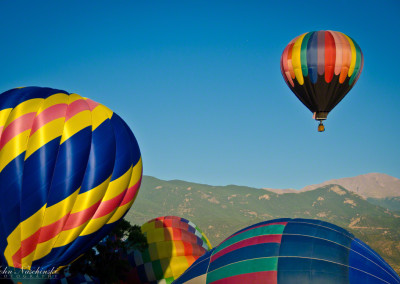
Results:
108 260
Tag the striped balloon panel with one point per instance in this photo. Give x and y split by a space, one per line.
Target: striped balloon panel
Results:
174 243
321 67
69 169
177 225
287 251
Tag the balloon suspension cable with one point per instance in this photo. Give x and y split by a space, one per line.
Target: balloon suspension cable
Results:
321 127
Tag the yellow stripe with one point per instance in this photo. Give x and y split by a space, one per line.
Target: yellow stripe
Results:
44 135
60 209
114 188
296 59
85 200
14 243
41 250
167 267
53 214
32 224
117 186
178 265
18 144
99 115
120 212
4 116
147 227
353 55
76 124
207 241
13 148
22 231
157 235
90 197
66 237
23 108
136 173
95 224
75 97
55 99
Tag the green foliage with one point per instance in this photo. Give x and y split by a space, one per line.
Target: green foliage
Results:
106 261
391 203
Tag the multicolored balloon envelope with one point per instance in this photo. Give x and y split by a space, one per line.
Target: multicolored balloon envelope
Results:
320 68
174 244
69 169
287 251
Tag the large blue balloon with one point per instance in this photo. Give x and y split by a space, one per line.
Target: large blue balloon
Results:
287 251
70 168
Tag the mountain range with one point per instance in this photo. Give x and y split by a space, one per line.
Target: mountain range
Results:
367 205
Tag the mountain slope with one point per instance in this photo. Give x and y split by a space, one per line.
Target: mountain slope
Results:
221 210
373 185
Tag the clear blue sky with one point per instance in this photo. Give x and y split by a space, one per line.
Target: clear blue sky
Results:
199 82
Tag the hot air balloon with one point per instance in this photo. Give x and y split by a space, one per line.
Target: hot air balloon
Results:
287 251
321 68
174 244
70 168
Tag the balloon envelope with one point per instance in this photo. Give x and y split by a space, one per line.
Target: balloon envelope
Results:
174 244
69 169
320 68
286 251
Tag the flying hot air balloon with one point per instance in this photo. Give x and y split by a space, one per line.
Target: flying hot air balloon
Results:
70 168
286 251
321 68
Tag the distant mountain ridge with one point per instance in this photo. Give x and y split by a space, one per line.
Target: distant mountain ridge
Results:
222 210
372 185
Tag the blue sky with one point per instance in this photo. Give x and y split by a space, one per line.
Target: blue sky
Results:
199 82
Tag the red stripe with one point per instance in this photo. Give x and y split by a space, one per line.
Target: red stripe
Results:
183 226
321 52
198 250
1 130
330 56
265 277
42 235
71 221
188 248
167 223
106 207
76 107
50 231
17 259
100 208
48 115
289 58
176 234
92 104
264 239
191 259
77 219
259 226
131 192
17 126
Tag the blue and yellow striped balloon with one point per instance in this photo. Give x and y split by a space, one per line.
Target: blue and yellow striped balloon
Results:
69 169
